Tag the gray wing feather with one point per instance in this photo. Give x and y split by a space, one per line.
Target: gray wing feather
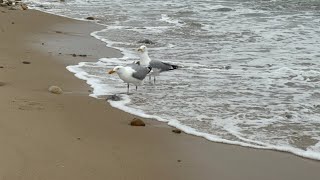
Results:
161 65
141 72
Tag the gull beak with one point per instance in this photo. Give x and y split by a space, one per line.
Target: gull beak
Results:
139 49
111 72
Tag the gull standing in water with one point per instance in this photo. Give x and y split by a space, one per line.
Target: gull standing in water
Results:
131 73
157 66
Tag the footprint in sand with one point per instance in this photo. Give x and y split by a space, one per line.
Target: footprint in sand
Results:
28 105
32 105
6 67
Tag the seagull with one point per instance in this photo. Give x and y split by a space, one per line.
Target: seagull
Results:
131 73
157 66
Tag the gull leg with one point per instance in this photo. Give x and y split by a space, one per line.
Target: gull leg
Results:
128 89
149 77
154 79
136 88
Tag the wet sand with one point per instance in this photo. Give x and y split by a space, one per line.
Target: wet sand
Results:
73 136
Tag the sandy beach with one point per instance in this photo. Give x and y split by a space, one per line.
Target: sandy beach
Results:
73 136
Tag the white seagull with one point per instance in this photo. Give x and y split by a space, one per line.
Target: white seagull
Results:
157 66
131 73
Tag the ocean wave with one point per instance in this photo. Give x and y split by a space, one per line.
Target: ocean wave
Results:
264 99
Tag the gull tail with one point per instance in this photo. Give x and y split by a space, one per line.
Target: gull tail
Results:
172 67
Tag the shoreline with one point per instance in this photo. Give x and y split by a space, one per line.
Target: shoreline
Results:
183 128
73 135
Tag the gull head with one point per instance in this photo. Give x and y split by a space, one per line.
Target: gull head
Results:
115 69
142 49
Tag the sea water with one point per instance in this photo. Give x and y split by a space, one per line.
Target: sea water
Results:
249 70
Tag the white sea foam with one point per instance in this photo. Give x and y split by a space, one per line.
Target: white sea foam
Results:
101 89
166 18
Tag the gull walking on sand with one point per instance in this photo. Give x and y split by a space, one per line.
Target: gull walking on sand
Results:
157 66
131 73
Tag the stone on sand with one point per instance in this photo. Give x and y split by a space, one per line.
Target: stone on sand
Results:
137 122
224 9
288 116
178 131
146 41
227 67
26 62
90 18
113 98
55 90
10 2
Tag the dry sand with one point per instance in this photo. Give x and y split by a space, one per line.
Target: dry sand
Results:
72 136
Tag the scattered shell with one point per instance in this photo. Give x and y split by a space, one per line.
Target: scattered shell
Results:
24 6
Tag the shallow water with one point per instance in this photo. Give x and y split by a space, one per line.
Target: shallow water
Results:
249 70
